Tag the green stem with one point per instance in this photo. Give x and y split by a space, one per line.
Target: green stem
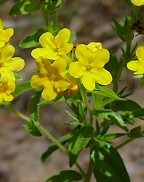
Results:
45 17
20 115
128 141
55 141
122 64
87 103
41 128
125 143
89 172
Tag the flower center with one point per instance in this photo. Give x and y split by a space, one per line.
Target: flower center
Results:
88 68
55 49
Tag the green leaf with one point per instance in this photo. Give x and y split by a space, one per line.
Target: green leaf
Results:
124 30
125 105
24 7
112 136
108 165
31 128
107 92
135 132
57 100
53 147
65 176
73 37
111 116
139 113
34 114
51 6
18 77
78 142
32 40
34 108
20 89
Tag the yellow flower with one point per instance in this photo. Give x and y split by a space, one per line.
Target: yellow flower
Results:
54 47
89 67
72 88
51 77
8 64
138 2
138 65
5 34
6 88
94 46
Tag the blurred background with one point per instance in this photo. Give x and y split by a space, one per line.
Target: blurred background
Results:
19 151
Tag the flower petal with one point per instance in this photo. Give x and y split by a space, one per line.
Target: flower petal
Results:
138 2
140 53
37 81
83 53
47 40
76 69
6 34
16 63
102 76
88 82
7 53
62 37
2 43
44 52
48 92
62 84
66 48
93 46
137 66
100 58
43 64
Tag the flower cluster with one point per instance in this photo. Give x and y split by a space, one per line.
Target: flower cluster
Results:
8 64
59 72
138 2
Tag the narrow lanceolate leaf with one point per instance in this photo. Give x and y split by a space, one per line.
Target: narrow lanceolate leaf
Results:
111 116
65 176
135 133
138 113
20 89
34 114
107 92
24 7
108 165
125 105
78 142
31 40
53 147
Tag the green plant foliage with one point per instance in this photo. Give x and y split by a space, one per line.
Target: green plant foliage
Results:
108 165
31 40
21 88
136 132
24 7
53 147
78 142
34 115
124 29
111 116
65 176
